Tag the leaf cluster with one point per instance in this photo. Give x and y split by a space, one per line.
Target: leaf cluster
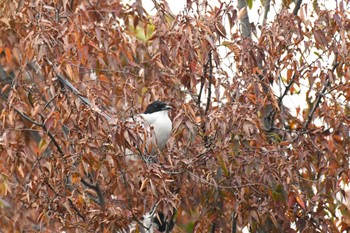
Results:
72 72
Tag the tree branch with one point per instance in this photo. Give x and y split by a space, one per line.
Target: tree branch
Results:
50 101
234 222
210 82
202 85
76 209
266 10
96 187
286 90
70 201
245 24
65 83
297 7
318 100
42 125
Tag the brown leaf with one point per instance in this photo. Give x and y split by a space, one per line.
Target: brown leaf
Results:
220 29
300 202
242 13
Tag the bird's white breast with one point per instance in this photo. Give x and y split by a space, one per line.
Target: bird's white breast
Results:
161 125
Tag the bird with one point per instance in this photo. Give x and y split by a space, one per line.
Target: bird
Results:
152 221
157 125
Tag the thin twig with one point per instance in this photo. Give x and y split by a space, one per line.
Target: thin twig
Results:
49 102
70 201
213 226
204 181
286 90
97 189
234 223
65 83
210 82
76 209
202 85
54 141
42 125
23 115
318 100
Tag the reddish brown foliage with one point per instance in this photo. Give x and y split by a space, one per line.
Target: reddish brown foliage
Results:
236 158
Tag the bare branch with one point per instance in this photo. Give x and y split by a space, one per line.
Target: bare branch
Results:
50 101
245 24
297 7
286 90
315 106
42 125
210 82
213 226
97 189
318 100
234 222
76 209
266 10
202 85
65 83
23 115
69 200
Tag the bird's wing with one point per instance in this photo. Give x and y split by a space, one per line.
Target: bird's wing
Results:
140 137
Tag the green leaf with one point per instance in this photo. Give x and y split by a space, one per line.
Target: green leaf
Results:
144 90
250 3
42 144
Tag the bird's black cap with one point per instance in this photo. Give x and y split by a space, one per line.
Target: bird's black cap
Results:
157 106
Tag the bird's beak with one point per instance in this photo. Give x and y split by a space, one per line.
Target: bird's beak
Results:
167 107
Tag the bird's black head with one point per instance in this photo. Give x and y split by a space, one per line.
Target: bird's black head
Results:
157 106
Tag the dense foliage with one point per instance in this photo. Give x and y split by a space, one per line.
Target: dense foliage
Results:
238 157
